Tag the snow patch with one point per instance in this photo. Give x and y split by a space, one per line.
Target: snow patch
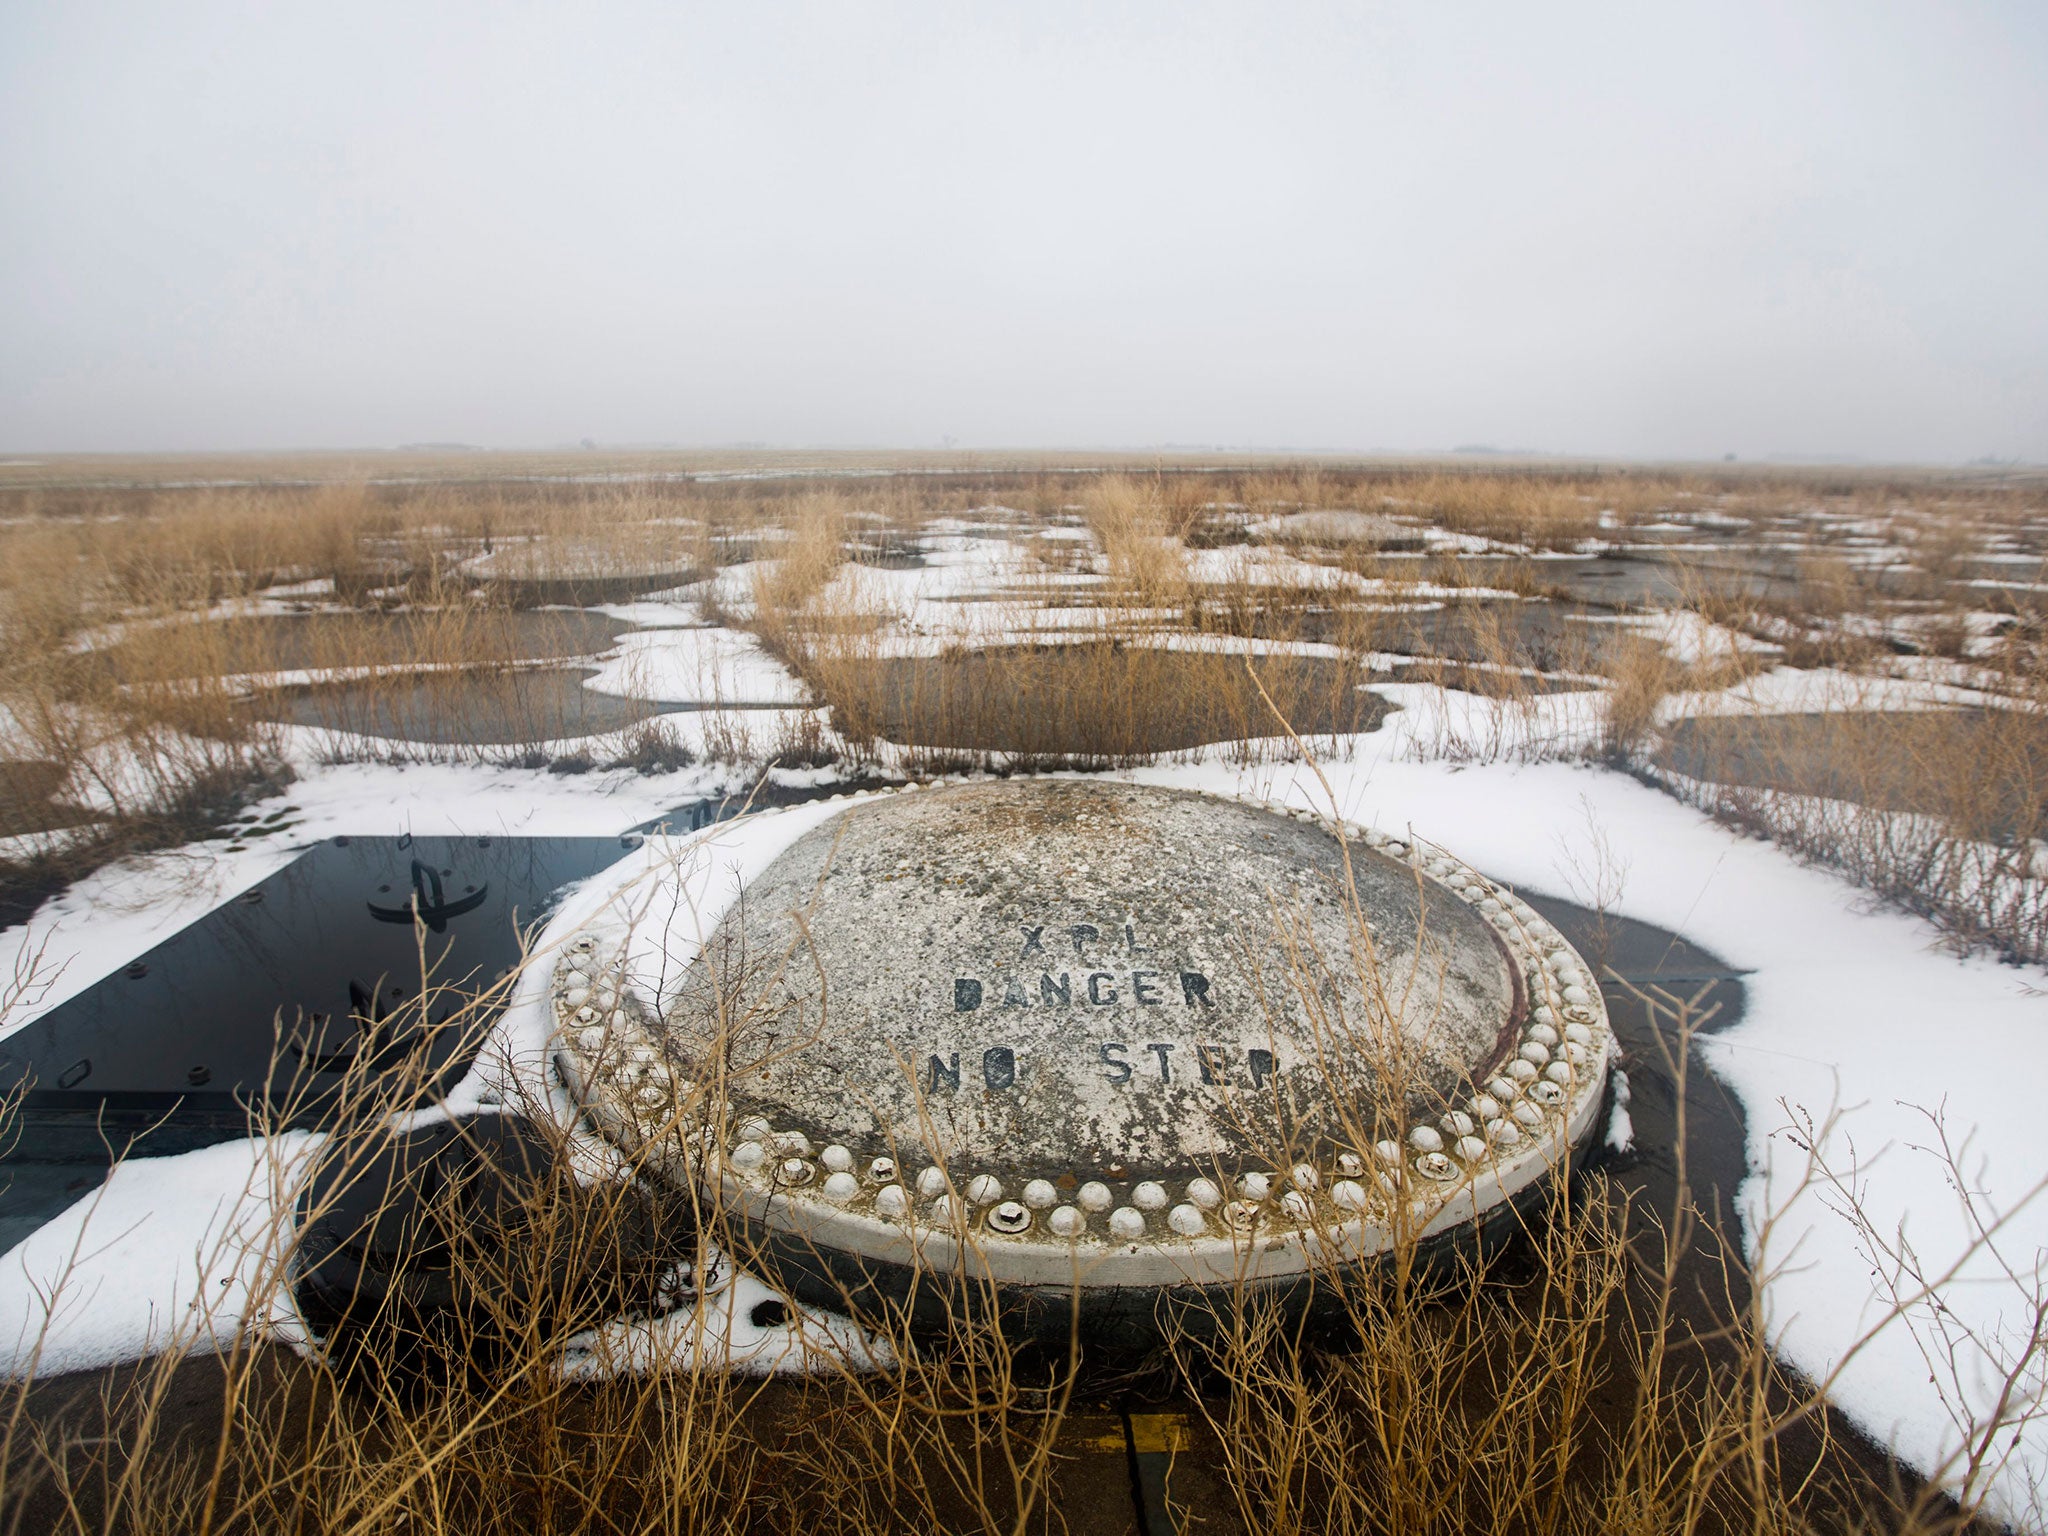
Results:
713 666
1621 1130
170 1255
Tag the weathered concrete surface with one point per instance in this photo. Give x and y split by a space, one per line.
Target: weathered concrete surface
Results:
1083 980
1100 1048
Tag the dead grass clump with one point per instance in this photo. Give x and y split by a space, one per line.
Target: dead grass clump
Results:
652 748
1826 622
1985 772
1138 534
1238 606
1278 491
1521 576
1095 705
1449 568
1940 812
229 542
1639 676
1453 1403
1519 509
800 741
152 744
806 559
611 546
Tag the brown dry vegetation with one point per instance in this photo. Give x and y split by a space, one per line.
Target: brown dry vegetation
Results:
1139 530
1942 813
1560 1385
1102 704
145 718
132 666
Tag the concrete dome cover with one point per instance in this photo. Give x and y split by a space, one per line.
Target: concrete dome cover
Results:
1053 1026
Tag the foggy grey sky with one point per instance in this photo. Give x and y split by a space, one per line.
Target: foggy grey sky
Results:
1653 230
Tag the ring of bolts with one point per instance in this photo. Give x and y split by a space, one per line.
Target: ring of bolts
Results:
615 1041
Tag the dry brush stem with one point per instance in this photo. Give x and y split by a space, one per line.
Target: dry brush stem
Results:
1484 1390
1939 814
1990 1374
1639 676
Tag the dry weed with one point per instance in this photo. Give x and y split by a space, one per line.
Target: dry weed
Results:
1137 530
1550 1385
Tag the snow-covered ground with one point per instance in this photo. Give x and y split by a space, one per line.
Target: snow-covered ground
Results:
1863 1020
170 1254
1810 691
1861 1023
1686 636
712 666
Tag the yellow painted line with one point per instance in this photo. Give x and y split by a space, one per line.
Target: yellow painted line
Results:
1093 1433
1109 1443
1161 1432
1151 1434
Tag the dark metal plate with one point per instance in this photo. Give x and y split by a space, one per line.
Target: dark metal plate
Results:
317 966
